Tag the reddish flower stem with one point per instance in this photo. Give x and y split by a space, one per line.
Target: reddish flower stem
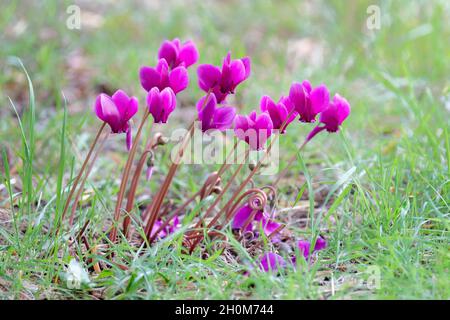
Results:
126 174
80 173
135 181
152 210
83 182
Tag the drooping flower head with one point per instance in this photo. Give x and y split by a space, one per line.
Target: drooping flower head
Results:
304 247
177 53
117 111
161 104
223 82
161 77
281 113
309 102
332 117
254 129
260 219
213 117
271 262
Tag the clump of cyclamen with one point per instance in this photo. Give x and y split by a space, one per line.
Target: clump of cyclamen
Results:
169 77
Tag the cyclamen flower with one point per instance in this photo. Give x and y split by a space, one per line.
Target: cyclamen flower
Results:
161 104
177 54
212 117
161 77
309 102
271 261
304 246
254 129
116 111
261 218
173 226
223 82
278 112
332 117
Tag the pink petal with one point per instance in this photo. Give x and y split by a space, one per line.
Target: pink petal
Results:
169 52
208 76
178 79
150 78
223 118
271 262
110 113
320 98
241 217
129 139
188 54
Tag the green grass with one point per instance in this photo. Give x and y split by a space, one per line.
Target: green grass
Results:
386 175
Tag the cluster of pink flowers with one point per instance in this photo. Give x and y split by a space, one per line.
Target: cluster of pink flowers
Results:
170 76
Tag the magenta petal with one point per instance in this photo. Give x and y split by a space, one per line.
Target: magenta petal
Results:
320 98
241 217
321 244
149 173
208 76
247 64
224 117
110 113
168 51
121 100
98 108
269 226
271 262
154 105
169 103
303 247
237 73
178 79
129 139
149 78
188 54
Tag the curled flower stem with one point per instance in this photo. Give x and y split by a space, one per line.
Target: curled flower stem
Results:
83 182
126 174
80 173
261 196
219 197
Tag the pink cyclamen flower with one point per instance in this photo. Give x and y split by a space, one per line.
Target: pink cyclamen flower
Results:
271 262
308 102
304 246
117 112
260 219
279 112
332 117
161 77
161 104
212 117
178 54
223 82
173 226
254 129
